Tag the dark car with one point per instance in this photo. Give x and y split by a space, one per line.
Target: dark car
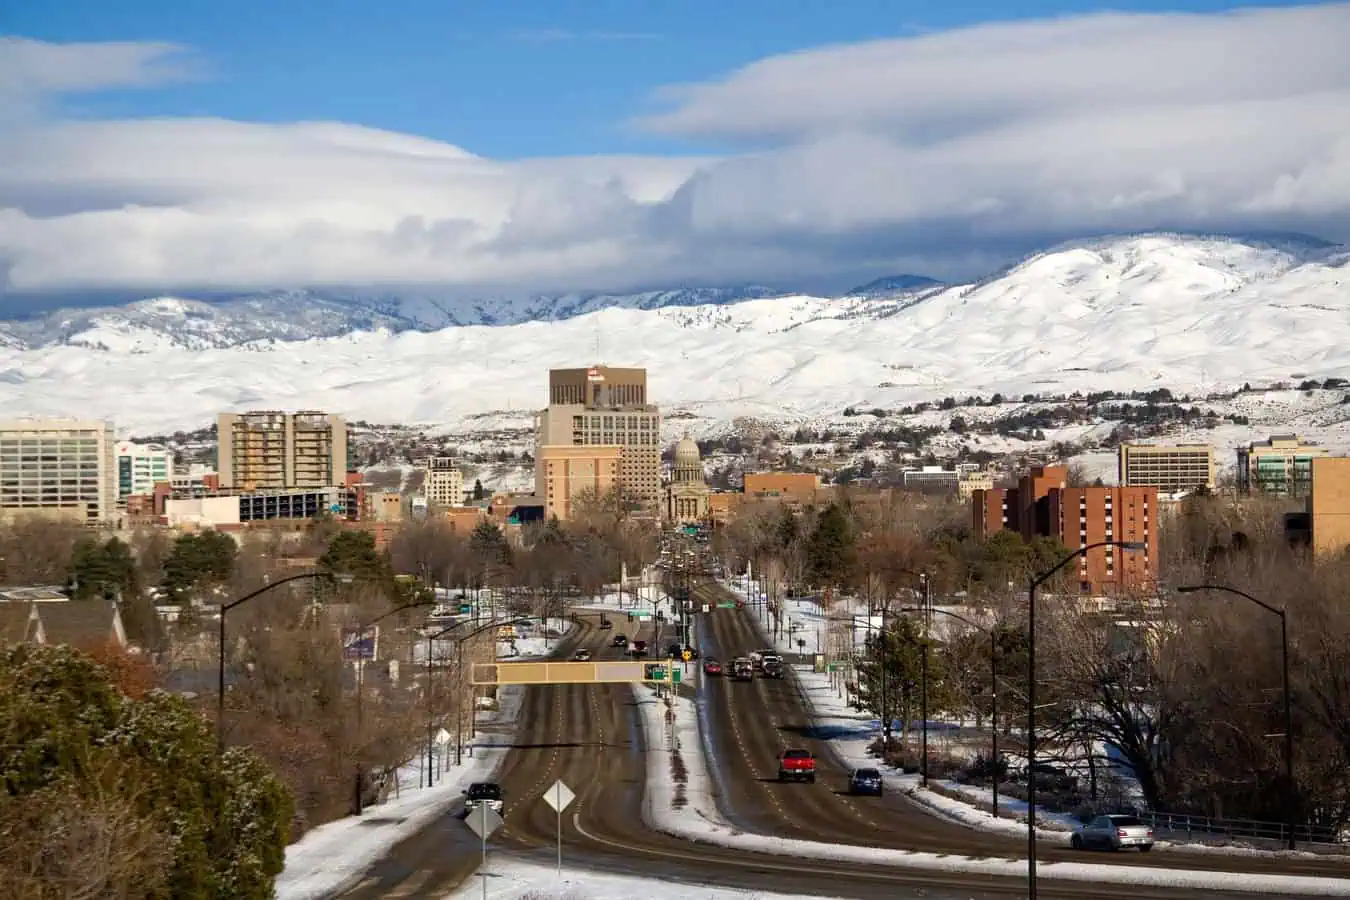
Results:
483 793
620 640
866 781
772 668
638 649
675 651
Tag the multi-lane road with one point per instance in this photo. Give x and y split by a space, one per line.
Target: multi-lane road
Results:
591 737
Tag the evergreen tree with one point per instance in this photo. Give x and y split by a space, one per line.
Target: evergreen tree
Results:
66 734
105 570
196 561
479 492
353 553
489 544
890 676
831 549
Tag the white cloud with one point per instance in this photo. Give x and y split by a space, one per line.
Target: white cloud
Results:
31 70
936 153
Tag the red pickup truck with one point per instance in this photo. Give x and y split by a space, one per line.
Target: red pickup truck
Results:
797 765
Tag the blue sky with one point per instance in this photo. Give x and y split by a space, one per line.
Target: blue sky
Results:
502 79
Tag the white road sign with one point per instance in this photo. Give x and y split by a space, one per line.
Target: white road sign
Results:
559 796
484 821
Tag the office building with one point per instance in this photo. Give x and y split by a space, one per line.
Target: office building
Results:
1279 465
565 473
444 482
973 480
687 493
931 480
1327 519
58 467
140 467
605 407
270 450
1172 469
1044 505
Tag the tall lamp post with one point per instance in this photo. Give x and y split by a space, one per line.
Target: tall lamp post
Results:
926 609
361 686
993 685
1036 582
1290 793
220 662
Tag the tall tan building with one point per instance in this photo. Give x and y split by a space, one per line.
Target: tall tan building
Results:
1328 506
444 484
60 467
565 473
605 407
274 450
1171 469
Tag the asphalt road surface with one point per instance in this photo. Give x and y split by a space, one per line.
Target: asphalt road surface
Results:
754 721
590 736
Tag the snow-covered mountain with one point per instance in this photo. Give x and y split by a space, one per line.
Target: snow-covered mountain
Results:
298 315
1140 311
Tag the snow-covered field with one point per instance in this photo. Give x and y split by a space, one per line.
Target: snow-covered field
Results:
1186 313
338 853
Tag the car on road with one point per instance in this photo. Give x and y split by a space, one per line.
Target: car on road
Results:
772 668
742 669
620 640
797 765
1114 832
582 655
638 649
712 667
483 793
866 781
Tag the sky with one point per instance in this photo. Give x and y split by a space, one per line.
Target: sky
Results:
190 146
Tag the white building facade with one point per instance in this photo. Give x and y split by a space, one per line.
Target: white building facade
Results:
140 467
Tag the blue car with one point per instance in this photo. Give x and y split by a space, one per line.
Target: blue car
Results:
865 781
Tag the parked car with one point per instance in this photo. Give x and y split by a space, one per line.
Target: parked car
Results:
866 781
1116 832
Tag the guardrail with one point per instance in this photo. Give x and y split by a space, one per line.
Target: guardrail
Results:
1190 825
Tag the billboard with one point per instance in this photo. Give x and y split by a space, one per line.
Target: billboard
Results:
361 645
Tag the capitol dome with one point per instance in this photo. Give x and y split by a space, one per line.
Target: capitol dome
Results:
687 451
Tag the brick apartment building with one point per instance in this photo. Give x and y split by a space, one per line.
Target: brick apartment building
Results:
1043 505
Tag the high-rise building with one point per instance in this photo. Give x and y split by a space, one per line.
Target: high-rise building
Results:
140 467
270 450
605 407
1044 505
1280 465
1171 468
566 474
62 467
444 482
1328 506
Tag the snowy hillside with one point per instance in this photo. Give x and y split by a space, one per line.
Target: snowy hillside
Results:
1136 312
301 315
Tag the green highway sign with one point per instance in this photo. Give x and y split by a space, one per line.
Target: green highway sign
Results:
674 676
727 605
465 609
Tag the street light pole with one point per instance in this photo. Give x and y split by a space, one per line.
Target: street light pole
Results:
1036 582
993 685
361 690
923 678
220 661
1290 792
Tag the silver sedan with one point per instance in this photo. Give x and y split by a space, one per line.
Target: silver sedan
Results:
1113 833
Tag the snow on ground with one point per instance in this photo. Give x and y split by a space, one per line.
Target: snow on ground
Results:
333 855
672 727
518 880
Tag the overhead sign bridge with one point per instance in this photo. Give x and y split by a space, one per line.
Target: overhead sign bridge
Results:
597 672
